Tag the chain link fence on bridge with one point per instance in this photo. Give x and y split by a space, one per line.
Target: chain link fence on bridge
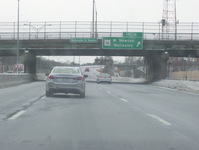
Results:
83 29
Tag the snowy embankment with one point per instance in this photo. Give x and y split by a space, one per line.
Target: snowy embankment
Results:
184 85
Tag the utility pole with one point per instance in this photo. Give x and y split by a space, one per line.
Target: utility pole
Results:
18 38
96 25
93 20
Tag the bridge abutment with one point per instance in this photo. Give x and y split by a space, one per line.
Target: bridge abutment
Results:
156 65
30 63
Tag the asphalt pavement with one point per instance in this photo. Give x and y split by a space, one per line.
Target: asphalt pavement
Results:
111 117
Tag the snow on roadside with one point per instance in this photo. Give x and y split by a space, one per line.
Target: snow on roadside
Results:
184 85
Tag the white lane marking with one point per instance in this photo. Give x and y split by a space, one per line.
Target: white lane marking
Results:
108 92
159 119
124 100
17 115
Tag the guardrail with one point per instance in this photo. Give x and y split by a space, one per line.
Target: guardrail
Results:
83 29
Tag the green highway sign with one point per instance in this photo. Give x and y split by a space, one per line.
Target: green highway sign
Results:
83 40
133 34
122 43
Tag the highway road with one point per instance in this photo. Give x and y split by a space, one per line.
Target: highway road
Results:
111 117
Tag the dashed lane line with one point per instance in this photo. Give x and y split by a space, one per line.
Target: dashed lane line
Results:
160 119
124 100
109 92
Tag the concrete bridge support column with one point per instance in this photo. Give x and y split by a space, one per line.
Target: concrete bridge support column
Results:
30 63
156 66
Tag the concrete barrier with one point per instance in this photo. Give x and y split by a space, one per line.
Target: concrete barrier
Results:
14 79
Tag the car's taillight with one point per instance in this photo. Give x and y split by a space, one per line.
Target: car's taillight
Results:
110 77
51 77
78 78
100 77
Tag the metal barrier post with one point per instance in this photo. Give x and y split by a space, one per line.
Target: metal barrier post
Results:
75 28
111 29
159 29
143 27
192 31
14 30
127 26
29 29
44 30
60 28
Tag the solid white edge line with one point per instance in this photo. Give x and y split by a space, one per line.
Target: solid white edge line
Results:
124 100
17 115
159 119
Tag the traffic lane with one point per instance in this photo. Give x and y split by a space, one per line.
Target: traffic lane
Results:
159 98
14 99
176 108
100 121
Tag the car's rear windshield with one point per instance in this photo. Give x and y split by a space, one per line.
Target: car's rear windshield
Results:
66 70
105 74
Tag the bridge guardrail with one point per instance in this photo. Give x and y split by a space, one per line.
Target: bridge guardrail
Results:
69 35
83 29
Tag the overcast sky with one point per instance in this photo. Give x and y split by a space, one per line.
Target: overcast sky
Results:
108 10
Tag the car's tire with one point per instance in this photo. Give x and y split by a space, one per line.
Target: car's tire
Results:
98 82
48 94
82 95
110 82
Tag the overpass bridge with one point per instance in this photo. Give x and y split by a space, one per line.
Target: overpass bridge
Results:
78 38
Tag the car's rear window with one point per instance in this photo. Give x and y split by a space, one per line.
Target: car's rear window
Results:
66 70
105 74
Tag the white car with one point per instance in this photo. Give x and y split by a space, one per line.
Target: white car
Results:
66 80
104 77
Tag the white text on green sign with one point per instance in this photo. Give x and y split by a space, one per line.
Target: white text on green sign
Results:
83 40
133 34
122 43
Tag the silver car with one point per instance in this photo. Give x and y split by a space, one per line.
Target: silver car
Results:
66 80
104 77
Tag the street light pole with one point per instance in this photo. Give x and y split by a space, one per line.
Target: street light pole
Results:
96 26
18 39
93 25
